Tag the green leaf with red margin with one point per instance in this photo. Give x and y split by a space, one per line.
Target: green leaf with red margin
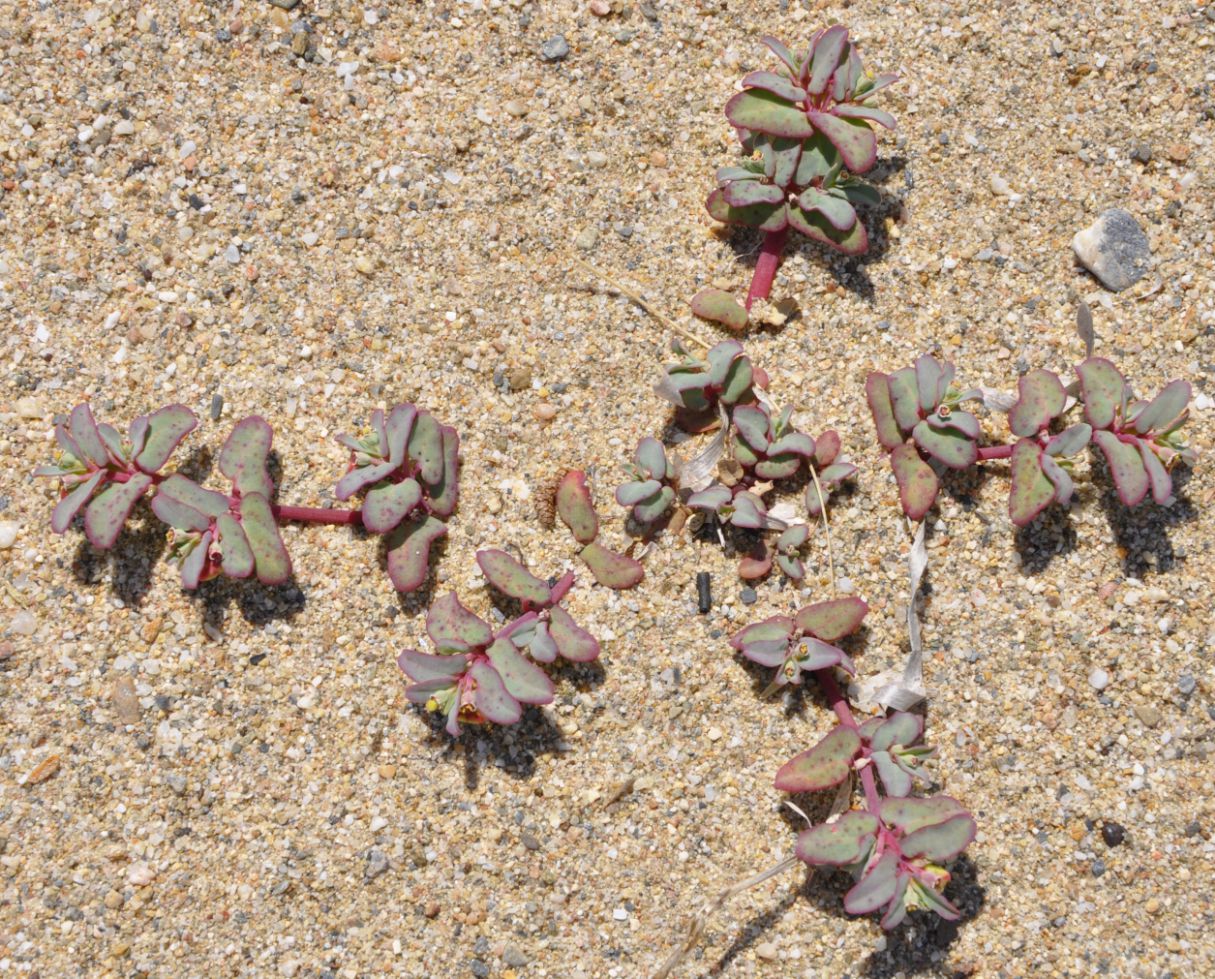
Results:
941 841
826 764
763 217
918 484
833 619
1030 491
408 554
453 628
854 241
838 844
852 137
511 578
1126 467
1040 400
1103 389
109 509
573 642
238 560
764 112
949 446
166 428
877 393
718 306
66 509
243 457
614 570
524 680
270 557
575 507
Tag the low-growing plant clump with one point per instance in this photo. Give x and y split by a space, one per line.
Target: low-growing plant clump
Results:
757 452
807 135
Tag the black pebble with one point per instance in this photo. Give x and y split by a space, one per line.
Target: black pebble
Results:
704 597
747 596
1113 834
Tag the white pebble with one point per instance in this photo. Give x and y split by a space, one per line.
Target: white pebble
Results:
8 534
620 914
124 127
140 875
1099 679
24 623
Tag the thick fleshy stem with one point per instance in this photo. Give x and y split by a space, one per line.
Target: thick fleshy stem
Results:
307 514
995 452
839 704
766 265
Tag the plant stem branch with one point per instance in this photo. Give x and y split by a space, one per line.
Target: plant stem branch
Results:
307 514
839 704
634 297
766 265
994 452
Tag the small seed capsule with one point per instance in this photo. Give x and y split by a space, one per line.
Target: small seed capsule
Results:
704 597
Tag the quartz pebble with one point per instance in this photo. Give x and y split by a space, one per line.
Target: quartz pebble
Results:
1114 249
8 534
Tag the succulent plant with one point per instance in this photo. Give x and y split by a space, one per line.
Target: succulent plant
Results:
807 130
651 493
408 468
918 421
724 377
577 511
105 474
895 845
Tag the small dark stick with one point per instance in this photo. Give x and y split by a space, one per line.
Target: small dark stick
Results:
703 596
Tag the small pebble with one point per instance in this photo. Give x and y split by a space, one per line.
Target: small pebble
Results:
1098 679
555 49
546 412
766 951
704 596
620 914
1113 834
747 596
377 863
24 623
217 406
8 534
140 875
1115 249
177 783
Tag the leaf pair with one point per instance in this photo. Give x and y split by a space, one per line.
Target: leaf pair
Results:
725 375
650 494
577 511
793 645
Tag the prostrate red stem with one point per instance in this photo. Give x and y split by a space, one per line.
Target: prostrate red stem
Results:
766 265
995 452
307 514
839 704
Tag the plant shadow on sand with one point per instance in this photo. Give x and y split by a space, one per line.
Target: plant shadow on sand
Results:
513 748
1143 532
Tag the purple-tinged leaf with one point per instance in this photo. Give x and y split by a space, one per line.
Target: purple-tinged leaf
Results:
243 457
914 813
776 628
877 888
166 428
1040 400
108 511
1070 440
899 728
718 306
573 642
852 137
651 457
575 508
490 695
66 509
524 681
793 538
878 83
917 482
726 174
611 569
270 557
831 620
1126 467
511 578
453 628
786 56
409 546
778 85
814 654
895 779
763 112
954 423
752 424
877 393
542 645
749 193
830 49
928 375
712 498
186 491
397 430
812 224
720 358
195 563
826 448
69 446
422 693
838 844
178 515
86 436
381 433
1103 389
781 158
763 217
561 588
650 510
854 110
905 397
896 910
1164 409
839 213
757 563
818 160
137 434
794 443
426 448
238 560
826 764
749 512
791 567
835 474
360 477
388 504
1158 477
941 841
113 443
1059 478
947 445
630 494
1030 491
446 493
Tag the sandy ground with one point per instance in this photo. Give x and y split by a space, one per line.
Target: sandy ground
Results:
189 208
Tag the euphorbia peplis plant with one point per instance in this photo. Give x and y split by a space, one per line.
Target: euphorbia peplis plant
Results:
756 451
408 465
806 130
919 422
893 844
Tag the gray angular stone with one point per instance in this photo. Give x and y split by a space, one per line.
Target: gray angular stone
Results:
1114 249
556 48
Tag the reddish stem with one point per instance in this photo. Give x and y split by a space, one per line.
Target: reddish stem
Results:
766 265
995 452
308 514
839 704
